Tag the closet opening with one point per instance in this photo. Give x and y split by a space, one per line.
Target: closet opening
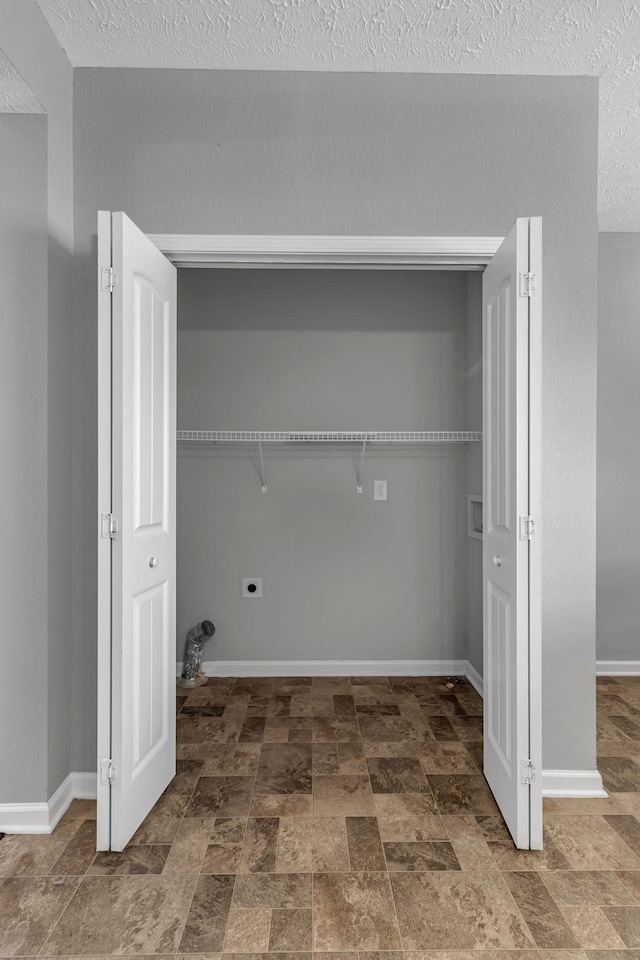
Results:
307 416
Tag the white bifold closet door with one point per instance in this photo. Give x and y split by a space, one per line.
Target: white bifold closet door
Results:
511 595
141 714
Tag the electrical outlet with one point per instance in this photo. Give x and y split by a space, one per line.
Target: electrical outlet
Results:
380 490
252 587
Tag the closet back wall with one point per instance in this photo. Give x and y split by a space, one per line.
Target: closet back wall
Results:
343 577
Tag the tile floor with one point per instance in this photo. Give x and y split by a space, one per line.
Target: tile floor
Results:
340 816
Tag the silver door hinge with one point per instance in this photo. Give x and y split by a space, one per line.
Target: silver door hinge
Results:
109 526
527 528
109 280
108 771
527 284
527 772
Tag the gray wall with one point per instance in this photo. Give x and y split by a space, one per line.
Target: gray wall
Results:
29 43
23 438
618 527
473 419
238 152
344 578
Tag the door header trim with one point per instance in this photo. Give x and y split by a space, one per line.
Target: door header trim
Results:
400 253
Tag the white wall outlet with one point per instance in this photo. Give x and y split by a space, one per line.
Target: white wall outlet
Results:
380 490
252 587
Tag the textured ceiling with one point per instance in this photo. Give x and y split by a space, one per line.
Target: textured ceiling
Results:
15 95
559 37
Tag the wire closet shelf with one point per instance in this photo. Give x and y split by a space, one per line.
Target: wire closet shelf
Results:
329 436
361 437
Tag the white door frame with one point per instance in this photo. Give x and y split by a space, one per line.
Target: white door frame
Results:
310 252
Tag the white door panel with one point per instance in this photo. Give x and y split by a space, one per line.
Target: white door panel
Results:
143 504
506 561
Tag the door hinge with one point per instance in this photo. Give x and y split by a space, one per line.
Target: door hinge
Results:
527 772
108 772
527 528
109 280
109 526
527 284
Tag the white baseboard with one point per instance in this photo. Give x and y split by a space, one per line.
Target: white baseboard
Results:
572 783
43 817
332 668
474 678
618 668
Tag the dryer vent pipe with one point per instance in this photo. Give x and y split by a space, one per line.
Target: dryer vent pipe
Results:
192 675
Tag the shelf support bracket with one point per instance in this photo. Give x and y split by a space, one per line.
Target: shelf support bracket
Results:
361 470
262 473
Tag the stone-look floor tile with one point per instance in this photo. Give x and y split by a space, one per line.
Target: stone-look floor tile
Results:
453 910
470 955
207 920
284 768
405 805
254 686
628 828
312 844
467 728
462 793
386 729
189 848
169 806
284 891
288 730
326 759
252 730
291 930
592 929
354 911
306 706
397 748
347 796
29 909
365 846
619 774
544 919
228 829
247 930
588 843
259 849
591 807
445 758
80 810
442 729
279 705
23 855
469 845
626 921
578 888
138 859
397 775
330 686
140 915
379 709
221 858
187 773
156 831
429 855
399 829
566 955
192 751
200 708
343 705
79 852
230 767
221 797
291 685
206 729
335 730
294 805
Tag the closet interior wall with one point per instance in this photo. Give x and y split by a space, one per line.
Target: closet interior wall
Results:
344 577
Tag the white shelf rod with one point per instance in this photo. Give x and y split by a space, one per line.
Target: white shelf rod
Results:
329 436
